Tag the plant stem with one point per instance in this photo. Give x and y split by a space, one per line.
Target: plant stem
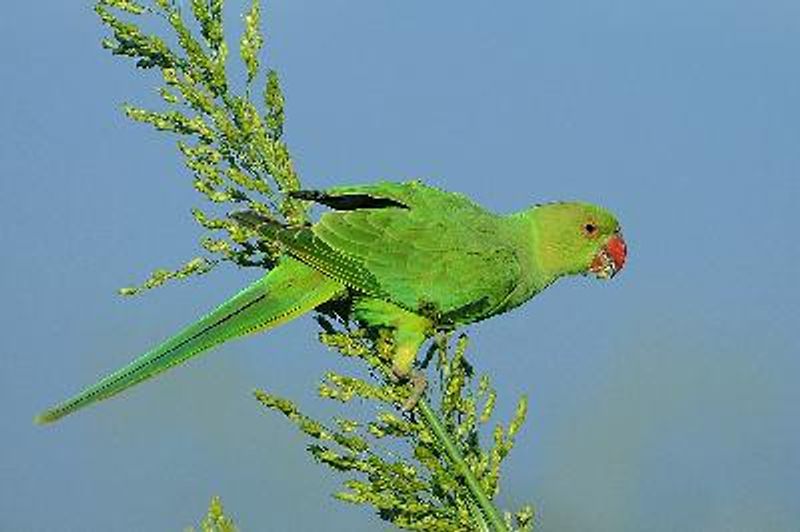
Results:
488 509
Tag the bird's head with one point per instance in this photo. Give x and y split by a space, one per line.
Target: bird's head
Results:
579 238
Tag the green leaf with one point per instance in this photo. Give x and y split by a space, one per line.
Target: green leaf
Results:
196 266
126 5
232 149
216 520
209 15
274 103
430 475
252 40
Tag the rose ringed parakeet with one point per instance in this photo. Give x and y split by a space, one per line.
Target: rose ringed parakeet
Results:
410 258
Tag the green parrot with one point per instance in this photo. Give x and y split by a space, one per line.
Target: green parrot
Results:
409 257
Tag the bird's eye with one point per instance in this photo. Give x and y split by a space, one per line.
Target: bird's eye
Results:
590 229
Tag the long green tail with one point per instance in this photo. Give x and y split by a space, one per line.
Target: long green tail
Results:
286 292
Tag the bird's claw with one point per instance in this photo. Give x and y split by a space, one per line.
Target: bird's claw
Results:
418 385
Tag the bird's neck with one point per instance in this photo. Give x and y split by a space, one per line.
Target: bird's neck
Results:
528 239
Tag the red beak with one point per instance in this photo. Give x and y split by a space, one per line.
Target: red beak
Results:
611 258
618 251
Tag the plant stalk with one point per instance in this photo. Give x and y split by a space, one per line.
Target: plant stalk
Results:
489 511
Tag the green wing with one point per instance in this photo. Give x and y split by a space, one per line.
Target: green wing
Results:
305 246
426 249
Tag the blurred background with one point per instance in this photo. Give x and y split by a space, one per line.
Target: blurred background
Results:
665 400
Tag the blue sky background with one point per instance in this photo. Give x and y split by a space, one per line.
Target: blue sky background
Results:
664 400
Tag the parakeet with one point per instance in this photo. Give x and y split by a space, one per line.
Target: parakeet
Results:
409 257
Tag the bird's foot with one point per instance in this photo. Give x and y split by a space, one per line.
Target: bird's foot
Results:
418 385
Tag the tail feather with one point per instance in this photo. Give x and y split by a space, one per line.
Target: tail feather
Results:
286 292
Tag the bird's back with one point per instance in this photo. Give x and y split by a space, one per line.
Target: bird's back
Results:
432 251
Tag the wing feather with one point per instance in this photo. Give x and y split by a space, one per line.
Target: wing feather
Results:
424 249
441 251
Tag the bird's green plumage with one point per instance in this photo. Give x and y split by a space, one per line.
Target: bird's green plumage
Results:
286 292
442 255
412 257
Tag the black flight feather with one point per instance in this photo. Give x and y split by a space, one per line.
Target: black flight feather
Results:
347 202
